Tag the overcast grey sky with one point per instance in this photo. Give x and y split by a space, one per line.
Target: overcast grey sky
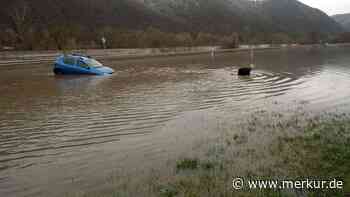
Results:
331 7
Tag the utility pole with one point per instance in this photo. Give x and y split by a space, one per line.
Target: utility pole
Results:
252 42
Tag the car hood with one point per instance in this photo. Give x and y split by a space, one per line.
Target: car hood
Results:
105 70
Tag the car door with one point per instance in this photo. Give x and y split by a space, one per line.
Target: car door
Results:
83 67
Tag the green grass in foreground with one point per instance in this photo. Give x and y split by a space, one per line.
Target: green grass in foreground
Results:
320 151
276 147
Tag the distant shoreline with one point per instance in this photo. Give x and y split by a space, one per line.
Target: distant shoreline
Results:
8 58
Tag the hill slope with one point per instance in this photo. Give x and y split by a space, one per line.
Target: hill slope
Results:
241 15
219 16
122 13
343 19
51 24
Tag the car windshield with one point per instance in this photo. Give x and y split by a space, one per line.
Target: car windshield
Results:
69 60
92 63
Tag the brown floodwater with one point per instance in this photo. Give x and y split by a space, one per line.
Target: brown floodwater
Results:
65 134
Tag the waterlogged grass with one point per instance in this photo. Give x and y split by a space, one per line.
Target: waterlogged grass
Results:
267 146
323 153
187 163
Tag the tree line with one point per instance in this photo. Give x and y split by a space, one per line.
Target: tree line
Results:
74 37
70 36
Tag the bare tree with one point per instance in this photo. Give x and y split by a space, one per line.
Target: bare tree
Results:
20 18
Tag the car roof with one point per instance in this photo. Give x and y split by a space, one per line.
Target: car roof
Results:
77 57
81 55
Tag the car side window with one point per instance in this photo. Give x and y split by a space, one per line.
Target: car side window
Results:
69 60
82 64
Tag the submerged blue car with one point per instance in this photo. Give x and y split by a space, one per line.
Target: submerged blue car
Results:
79 65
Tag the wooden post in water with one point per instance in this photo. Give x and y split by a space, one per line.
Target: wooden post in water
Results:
212 50
252 55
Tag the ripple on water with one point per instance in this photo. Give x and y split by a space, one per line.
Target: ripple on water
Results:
145 108
68 118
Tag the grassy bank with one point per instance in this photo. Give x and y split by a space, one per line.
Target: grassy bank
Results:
266 146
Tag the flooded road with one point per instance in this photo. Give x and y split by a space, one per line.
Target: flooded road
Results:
62 134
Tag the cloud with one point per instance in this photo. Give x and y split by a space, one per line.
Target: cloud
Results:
331 7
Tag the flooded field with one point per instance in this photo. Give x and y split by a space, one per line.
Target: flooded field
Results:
61 134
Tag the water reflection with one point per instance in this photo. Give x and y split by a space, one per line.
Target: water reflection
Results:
66 83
